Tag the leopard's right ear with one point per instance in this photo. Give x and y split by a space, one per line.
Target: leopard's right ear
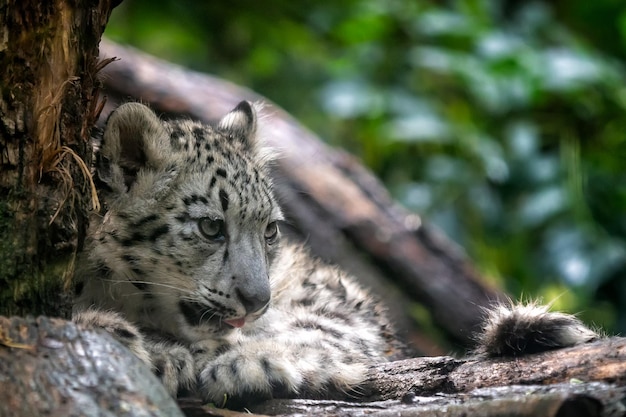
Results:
134 139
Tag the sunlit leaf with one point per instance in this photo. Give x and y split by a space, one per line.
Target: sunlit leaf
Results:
522 139
566 69
419 127
539 206
350 99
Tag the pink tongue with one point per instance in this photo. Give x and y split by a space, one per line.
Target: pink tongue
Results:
236 322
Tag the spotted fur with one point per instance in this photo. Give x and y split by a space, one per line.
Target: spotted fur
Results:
186 268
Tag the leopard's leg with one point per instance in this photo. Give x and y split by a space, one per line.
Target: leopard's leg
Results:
117 326
278 362
170 361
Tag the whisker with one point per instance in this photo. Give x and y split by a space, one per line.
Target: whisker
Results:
157 284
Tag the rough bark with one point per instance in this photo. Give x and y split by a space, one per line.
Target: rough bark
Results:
604 360
49 368
48 104
339 208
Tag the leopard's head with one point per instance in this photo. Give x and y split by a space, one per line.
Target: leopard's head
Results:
192 219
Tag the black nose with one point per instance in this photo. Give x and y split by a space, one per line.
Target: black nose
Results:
253 301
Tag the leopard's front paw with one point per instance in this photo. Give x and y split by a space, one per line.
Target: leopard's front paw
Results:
235 376
117 326
174 365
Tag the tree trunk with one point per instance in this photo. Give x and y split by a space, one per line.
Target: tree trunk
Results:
48 105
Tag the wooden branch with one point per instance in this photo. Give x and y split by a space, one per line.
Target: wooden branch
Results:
338 206
48 367
604 360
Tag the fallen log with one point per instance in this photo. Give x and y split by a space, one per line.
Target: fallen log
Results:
604 360
342 211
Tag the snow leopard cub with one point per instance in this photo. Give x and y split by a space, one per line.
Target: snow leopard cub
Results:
187 269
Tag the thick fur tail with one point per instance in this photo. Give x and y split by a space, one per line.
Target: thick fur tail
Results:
520 329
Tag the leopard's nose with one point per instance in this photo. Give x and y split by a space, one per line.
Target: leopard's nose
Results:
253 301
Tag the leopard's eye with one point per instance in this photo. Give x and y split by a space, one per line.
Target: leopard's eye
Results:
211 228
271 233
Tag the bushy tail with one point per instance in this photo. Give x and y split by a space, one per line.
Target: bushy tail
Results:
520 329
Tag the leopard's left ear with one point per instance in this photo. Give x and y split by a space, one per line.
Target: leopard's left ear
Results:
241 123
134 143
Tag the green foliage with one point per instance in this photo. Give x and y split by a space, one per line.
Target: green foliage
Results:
493 119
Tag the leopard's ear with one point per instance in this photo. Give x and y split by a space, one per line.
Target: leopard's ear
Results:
241 123
134 139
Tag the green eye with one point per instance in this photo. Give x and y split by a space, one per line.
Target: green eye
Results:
211 228
271 233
